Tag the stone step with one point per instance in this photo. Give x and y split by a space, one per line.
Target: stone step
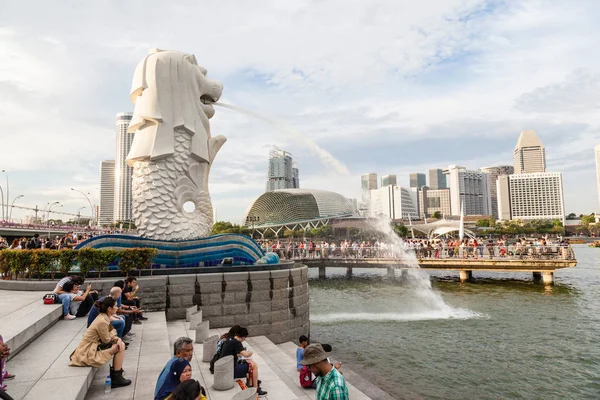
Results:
43 366
277 387
147 354
24 317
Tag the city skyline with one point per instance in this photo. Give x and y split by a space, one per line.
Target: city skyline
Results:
432 105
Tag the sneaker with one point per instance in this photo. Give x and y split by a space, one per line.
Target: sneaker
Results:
137 322
69 316
127 337
130 333
261 392
142 318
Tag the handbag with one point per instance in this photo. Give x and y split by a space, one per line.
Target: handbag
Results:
104 346
50 298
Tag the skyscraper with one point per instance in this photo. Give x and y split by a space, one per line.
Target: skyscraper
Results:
417 180
123 172
107 192
388 180
529 154
495 172
281 174
368 182
470 189
531 196
393 202
437 179
432 200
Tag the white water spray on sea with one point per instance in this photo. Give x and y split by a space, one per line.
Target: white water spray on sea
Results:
302 140
429 303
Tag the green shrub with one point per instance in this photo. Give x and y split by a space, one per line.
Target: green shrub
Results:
67 258
42 261
137 258
21 263
104 258
5 264
86 260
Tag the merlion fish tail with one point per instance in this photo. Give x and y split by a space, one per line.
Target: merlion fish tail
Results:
162 187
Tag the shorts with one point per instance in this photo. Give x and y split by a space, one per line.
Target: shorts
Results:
240 370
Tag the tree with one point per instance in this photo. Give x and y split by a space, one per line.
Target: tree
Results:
221 227
401 230
572 216
436 215
588 219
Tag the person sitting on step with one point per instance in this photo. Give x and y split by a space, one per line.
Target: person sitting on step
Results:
179 371
183 348
188 390
130 297
100 343
331 385
244 366
80 302
122 323
65 298
224 337
133 311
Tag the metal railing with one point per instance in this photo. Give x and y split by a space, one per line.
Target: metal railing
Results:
548 252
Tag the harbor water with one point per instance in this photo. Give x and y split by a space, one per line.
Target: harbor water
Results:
500 337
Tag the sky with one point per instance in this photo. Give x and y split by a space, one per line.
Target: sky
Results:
381 86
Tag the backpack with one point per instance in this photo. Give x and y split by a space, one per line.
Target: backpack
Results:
305 377
50 298
212 363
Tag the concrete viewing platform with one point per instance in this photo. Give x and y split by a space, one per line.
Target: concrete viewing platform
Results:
42 342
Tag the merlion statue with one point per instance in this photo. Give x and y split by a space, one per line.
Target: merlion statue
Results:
172 149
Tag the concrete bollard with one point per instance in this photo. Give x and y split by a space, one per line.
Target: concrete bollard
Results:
202 331
224 374
246 394
189 312
209 348
195 319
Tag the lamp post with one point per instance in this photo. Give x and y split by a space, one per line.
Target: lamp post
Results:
79 215
7 192
56 203
2 198
89 201
12 204
252 219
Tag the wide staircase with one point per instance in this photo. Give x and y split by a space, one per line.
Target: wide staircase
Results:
41 343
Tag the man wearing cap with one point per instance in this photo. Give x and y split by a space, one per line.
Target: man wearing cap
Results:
331 385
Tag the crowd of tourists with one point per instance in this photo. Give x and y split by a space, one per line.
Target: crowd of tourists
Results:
66 241
475 247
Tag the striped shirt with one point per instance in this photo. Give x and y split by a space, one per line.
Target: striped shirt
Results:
332 386
61 283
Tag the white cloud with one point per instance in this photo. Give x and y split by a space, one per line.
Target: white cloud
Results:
390 86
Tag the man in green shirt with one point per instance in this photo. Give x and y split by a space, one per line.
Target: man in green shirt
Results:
331 385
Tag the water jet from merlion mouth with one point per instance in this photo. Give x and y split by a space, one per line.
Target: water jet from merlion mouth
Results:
326 157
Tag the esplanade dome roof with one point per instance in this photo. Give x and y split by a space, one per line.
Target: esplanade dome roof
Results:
290 205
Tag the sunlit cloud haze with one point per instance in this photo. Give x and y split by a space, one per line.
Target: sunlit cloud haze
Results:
383 86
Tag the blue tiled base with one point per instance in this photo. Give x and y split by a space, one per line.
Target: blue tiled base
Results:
207 252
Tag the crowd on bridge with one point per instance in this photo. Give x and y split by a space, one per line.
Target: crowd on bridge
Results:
475 247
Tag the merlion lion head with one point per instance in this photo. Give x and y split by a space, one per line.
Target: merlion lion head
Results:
171 91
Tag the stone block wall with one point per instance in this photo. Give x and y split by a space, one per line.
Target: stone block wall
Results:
271 303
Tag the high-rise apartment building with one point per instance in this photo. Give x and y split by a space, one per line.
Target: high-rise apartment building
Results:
107 192
281 174
495 172
531 196
123 172
393 202
529 154
434 200
388 180
417 180
468 189
437 179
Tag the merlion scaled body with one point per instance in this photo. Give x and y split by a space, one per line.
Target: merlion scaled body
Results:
172 149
